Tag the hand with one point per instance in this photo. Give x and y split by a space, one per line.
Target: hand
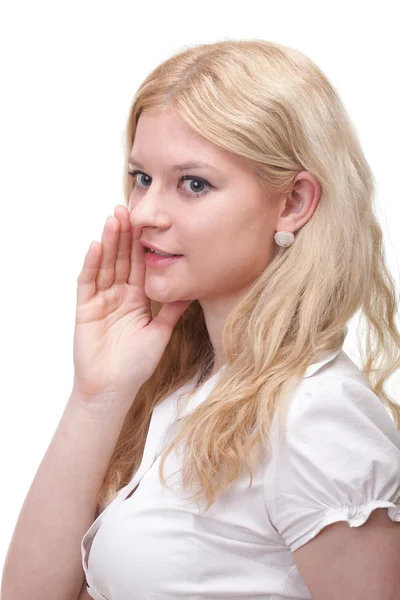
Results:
117 344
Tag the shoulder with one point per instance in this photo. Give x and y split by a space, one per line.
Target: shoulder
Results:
338 396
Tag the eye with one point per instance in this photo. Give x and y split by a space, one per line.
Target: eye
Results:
199 181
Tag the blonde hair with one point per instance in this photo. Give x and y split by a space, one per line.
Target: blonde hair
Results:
273 107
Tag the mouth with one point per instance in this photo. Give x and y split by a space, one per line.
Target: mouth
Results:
155 261
161 255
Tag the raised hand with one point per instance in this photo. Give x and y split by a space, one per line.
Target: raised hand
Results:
117 344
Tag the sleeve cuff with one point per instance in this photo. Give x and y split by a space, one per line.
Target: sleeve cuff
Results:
354 517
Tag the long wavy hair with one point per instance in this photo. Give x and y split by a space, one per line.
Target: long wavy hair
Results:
273 107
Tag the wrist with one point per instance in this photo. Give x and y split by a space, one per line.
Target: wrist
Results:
102 405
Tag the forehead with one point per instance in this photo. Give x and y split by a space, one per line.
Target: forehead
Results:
163 130
163 137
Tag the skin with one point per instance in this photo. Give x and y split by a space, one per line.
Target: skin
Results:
226 235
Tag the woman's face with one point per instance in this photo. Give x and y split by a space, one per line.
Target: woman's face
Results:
219 219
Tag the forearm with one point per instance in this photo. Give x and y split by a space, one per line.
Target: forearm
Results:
44 556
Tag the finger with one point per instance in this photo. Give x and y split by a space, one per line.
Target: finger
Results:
168 317
123 258
137 266
87 277
109 241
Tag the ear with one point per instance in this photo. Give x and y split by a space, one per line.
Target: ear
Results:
298 208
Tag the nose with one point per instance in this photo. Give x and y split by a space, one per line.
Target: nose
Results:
149 210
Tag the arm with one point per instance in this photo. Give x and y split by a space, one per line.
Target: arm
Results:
353 563
44 557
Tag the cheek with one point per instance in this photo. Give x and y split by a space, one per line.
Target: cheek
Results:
198 235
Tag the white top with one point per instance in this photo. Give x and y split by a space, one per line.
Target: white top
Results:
339 459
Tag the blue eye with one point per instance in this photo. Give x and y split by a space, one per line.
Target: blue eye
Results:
195 194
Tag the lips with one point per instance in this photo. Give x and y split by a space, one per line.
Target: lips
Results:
148 246
163 255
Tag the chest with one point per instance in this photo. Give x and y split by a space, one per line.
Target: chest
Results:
154 538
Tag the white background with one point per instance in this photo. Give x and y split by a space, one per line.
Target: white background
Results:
69 71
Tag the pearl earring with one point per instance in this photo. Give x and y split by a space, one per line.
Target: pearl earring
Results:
284 238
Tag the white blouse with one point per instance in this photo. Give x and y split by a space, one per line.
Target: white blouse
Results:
339 459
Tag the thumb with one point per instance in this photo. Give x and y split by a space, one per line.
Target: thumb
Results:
169 314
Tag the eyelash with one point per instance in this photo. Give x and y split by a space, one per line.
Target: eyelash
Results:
184 178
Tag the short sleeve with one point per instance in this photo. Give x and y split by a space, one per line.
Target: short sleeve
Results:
338 459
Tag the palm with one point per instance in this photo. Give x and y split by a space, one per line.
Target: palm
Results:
117 344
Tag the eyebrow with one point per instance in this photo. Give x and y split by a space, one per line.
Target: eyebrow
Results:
181 167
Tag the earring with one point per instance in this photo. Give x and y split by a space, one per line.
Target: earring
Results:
284 238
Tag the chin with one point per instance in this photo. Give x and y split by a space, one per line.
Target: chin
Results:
161 295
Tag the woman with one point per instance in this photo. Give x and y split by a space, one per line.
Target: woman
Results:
218 365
